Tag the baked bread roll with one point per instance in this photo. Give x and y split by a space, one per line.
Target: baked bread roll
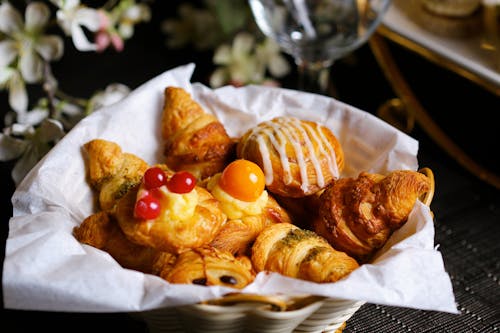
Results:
357 215
298 157
286 249
112 172
205 266
186 221
195 141
101 231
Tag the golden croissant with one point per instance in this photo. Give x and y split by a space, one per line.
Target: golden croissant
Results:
357 215
111 171
299 253
195 141
298 157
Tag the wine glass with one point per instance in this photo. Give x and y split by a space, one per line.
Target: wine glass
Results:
318 32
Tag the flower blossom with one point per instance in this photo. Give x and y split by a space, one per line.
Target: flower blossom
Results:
73 17
25 48
246 62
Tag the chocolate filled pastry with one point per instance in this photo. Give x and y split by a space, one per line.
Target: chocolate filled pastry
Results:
111 171
291 251
169 221
357 215
298 157
205 266
102 232
195 141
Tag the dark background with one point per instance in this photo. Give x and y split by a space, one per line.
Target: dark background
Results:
466 209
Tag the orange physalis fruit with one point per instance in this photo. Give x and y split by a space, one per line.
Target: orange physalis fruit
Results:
243 180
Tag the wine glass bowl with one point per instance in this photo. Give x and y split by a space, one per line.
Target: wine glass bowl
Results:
318 32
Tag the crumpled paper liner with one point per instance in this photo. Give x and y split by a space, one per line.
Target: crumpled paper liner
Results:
46 268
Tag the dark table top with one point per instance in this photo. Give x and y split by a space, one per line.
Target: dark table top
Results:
466 209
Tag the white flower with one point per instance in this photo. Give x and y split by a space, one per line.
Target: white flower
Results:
73 17
269 55
29 144
238 63
11 79
25 40
131 15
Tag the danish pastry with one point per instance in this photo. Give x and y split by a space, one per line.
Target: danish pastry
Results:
205 266
357 215
111 171
298 157
195 141
185 220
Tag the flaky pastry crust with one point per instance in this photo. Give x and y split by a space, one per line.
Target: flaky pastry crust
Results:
195 141
172 235
357 215
289 250
298 157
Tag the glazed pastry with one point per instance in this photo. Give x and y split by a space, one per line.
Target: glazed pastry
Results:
291 251
298 157
357 215
179 221
101 231
205 266
112 172
195 141
240 189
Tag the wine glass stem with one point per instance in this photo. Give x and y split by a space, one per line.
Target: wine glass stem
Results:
314 77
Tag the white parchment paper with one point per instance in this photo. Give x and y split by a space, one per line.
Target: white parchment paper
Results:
46 268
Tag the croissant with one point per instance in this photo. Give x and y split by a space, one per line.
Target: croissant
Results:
111 171
206 266
357 216
298 157
237 235
291 251
101 231
172 233
195 141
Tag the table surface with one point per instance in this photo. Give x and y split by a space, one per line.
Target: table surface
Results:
467 210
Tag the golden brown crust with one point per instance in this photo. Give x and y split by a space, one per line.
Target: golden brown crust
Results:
298 157
111 171
172 235
286 249
194 140
237 235
357 216
101 231
206 266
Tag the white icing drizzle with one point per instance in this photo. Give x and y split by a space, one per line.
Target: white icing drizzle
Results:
283 130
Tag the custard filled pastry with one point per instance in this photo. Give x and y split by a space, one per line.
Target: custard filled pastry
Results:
112 172
195 141
102 232
205 266
169 212
291 251
240 189
357 215
298 157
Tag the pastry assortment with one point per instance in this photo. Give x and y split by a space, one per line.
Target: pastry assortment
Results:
218 210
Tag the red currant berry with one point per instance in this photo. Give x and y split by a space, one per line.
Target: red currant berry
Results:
181 182
154 177
147 207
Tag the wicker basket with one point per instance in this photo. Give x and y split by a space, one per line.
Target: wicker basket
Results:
236 313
